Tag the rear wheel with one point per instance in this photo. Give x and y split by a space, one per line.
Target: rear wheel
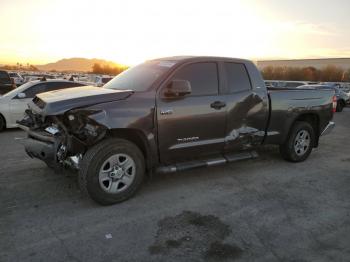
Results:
112 171
299 143
340 106
2 123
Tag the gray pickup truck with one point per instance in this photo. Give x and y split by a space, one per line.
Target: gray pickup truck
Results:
169 115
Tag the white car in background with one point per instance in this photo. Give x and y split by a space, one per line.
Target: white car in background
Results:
286 84
99 80
17 78
14 103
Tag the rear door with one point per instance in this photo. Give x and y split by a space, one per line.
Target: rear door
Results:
190 126
247 108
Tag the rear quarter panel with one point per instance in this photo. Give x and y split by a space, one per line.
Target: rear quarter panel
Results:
288 105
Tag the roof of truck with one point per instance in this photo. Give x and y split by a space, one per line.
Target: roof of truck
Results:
200 58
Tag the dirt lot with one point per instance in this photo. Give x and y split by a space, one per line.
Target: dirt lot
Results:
265 209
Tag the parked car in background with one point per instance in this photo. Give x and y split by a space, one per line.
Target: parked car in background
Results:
273 83
342 97
17 78
14 103
168 115
286 84
6 82
102 80
99 80
28 78
346 90
289 84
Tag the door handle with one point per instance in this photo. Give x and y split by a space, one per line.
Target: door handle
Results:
217 105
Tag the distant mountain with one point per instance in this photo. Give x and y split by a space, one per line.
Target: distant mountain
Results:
74 64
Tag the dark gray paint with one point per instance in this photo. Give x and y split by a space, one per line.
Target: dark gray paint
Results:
191 128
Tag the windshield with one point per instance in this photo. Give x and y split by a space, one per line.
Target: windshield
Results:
141 77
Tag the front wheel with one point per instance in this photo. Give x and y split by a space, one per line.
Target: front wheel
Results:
299 143
112 171
2 123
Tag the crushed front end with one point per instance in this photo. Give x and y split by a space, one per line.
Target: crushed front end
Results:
61 140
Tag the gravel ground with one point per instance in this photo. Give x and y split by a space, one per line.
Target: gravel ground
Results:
256 210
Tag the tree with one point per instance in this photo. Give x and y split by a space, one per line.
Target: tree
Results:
33 68
331 73
97 69
267 72
310 73
107 69
346 76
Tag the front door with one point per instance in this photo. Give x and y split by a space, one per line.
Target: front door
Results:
193 125
17 108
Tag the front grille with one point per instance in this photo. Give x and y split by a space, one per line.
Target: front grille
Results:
40 103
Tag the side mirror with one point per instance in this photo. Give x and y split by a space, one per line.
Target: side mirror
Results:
178 88
21 95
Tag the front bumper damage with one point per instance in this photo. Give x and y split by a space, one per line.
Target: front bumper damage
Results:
39 149
58 142
48 149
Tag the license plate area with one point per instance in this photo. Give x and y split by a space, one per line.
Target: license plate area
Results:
52 130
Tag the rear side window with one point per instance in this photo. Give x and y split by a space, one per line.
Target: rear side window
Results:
237 77
202 76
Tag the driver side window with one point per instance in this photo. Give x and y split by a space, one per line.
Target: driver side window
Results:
203 78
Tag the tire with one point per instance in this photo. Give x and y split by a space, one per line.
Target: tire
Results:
294 150
2 123
106 177
340 106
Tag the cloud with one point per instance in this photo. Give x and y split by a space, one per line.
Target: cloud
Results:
305 28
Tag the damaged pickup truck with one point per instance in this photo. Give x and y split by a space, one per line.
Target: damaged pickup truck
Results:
168 115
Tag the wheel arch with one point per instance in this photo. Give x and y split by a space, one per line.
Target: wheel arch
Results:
314 120
3 118
139 139
342 101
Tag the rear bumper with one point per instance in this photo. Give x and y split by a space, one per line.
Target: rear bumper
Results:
328 128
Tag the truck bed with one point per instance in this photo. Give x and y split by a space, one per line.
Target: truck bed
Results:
286 104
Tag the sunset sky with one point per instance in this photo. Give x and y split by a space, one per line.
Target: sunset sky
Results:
128 31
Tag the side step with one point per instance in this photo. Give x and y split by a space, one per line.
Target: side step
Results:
207 162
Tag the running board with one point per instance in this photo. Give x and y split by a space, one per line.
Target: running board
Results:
226 158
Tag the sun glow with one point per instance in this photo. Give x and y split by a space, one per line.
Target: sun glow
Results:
129 32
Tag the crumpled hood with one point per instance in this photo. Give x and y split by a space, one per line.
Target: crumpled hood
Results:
59 101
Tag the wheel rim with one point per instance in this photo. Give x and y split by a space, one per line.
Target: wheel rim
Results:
302 142
117 173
